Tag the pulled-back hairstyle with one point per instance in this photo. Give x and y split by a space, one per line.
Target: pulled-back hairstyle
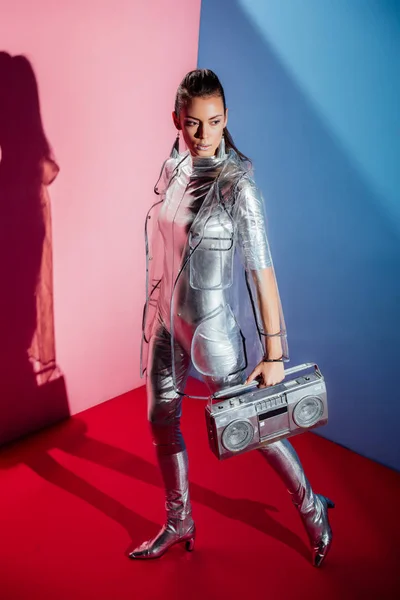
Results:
203 83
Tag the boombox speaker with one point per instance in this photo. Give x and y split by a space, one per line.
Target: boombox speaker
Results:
245 417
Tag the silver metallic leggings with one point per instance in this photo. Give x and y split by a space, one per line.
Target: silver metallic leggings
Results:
164 403
165 409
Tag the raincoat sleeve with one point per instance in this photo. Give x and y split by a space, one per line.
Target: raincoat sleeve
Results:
154 247
260 274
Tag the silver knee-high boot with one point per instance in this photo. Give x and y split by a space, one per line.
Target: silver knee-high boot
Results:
313 508
180 526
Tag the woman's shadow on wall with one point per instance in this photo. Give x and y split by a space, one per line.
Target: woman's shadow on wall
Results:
32 390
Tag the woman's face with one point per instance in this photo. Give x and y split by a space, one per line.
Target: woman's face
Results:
202 123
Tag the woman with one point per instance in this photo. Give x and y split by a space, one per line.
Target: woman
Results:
210 208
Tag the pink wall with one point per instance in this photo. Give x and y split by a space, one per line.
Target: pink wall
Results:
107 72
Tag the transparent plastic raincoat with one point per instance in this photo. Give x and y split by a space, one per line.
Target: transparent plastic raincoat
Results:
210 278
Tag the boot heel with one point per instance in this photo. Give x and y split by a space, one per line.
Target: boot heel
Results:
189 545
329 503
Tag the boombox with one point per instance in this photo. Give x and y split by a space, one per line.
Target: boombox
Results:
245 417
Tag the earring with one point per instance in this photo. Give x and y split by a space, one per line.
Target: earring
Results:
175 147
221 148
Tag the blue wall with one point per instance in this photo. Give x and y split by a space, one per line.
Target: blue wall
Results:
313 89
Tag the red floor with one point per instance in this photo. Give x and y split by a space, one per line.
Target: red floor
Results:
75 498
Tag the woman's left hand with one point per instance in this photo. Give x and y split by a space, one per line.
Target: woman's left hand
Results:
269 373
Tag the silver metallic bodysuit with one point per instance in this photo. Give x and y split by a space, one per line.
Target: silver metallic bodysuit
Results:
209 207
195 302
176 218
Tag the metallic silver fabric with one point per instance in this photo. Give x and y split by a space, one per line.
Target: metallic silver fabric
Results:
164 404
174 469
209 210
313 508
191 186
249 216
180 526
210 215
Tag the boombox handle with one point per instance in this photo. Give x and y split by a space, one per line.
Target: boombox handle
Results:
302 368
240 389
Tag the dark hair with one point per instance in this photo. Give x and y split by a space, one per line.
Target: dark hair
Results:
203 83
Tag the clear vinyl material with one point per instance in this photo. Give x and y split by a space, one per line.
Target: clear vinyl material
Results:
212 300
210 275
